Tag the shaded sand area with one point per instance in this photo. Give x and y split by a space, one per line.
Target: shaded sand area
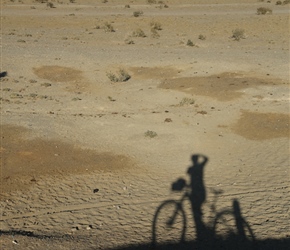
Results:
89 161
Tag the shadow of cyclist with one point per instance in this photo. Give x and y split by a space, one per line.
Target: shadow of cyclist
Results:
198 194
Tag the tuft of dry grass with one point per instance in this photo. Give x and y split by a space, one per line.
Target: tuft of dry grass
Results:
190 43
150 133
201 37
186 101
50 5
122 76
264 11
155 26
154 33
238 34
138 33
108 27
137 13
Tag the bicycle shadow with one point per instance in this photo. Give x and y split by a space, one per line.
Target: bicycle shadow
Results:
206 236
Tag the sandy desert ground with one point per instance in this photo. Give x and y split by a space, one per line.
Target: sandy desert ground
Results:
86 161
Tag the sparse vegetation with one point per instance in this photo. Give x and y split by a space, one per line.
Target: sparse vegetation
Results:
238 34
138 33
150 133
264 11
137 13
50 5
46 84
286 2
279 3
155 26
129 40
127 6
111 99
151 1
201 37
186 101
122 76
154 33
189 43
108 27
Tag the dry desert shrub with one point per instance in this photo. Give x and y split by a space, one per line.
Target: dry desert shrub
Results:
155 25
129 40
137 13
186 101
108 27
151 1
201 37
154 33
238 34
122 76
138 33
279 3
150 133
286 2
50 5
190 43
264 11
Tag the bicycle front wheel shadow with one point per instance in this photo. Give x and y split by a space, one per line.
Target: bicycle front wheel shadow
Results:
169 224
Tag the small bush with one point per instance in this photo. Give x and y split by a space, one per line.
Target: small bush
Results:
127 6
186 101
138 33
129 41
108 27
151 1
122 76
279 3
189 43
286 2
50 5
111 99
112 77
201 37
154 33
264 11
238 34
137 13
150 134
155 25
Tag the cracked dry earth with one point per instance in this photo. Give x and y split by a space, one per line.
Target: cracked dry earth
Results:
79 171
